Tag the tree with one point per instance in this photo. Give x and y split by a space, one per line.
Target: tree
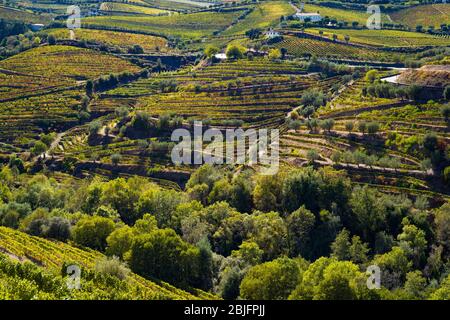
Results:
163 255
327 124
249 253
205 263
122 195
269 232
51 40
412 241
372 128
120 241
89 88
371 76
136 49
445 111
94 128
302 187
267 192
312 155
369 211
234 52
58 228
415 285
447 93
347 38
329 279
210 51
39 148
116 158
358 251
442 222
272 280
349 126
430 142
229 283
340 248
340 282
92 232
300 224
274 54
146 224
394 266
284 52
253 33
443 293
362 127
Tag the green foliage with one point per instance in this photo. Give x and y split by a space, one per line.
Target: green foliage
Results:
162 254
210 51
235 52
272 280
92 232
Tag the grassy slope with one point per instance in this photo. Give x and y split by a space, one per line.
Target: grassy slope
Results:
265 15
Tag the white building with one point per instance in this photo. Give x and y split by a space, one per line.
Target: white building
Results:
272 34
313 17
220 56
37 27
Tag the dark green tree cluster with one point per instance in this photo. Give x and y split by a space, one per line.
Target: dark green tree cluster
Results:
299 234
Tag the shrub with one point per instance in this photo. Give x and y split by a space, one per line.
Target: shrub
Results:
92 232
235 52
113 267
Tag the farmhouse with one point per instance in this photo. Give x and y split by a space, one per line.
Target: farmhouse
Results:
313 17
272 34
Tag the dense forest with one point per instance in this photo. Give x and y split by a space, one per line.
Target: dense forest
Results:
301 234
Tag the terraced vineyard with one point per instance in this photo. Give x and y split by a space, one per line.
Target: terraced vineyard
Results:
114 7
388 158
179 5
303 46
342 14
41 88
24 16
113 38
385 38
185 25
424 15
351 99
63 64
53 255
265 92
